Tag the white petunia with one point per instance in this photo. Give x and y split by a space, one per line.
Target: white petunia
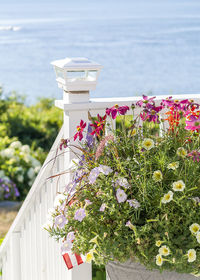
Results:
159 260
148 144
195 228
198 237
164 251
167 197
191 255
178 186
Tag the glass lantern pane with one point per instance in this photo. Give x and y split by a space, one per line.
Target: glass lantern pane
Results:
75 75
59 73
91 75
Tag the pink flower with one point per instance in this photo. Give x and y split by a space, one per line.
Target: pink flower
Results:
195 155
80 129
98 125
145 100
193 123
102 144
116 109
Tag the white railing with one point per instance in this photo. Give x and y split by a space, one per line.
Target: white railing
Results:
27 252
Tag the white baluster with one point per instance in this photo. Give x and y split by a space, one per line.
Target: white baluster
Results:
15 257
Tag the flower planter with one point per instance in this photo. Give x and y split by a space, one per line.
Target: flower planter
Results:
136 271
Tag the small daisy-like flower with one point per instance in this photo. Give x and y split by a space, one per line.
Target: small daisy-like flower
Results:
121 195
164 251
89 257
195 228
148 144
178 186
198 237
191 254
181 152
158 243
159 260
173 165
167 197
157 176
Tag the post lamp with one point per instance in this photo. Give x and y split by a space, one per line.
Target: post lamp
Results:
76 74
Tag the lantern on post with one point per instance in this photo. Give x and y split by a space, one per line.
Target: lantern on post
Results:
76 74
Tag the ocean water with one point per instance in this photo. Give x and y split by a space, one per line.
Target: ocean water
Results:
145 46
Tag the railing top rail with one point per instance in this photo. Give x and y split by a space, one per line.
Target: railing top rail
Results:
102 103
40 179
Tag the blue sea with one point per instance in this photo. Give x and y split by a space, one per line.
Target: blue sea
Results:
145 46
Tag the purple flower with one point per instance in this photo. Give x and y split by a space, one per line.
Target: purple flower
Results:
121 196
66 247
102 208
116 109
94 173
105 169
145 100
133 203
60 221
70 236
89 137
87 202
122 182
80 214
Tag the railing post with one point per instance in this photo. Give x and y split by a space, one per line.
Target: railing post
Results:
15 256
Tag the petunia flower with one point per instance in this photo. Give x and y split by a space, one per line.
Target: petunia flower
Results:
195 228
167 197
178 186
121 196
116 109
148 144
134 203
164 251
103 207
159 260
80 214
123 182
70 236
157 176
80 129
66 247
191 254
60 221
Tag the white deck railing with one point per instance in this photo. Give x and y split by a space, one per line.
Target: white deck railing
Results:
27 252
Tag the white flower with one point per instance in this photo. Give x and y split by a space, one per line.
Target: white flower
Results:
167 197
164 251
31 173
7 153
148 144
20 178
157 176
194 228
198 237
15 145
173 165
59 199
181 152
178 186
25 149
159 260
191 255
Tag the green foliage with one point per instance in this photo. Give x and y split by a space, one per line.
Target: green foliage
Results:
149 185
34 128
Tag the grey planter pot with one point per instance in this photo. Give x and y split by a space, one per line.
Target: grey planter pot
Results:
136 271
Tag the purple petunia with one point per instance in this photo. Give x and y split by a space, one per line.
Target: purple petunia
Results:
80 214
106 170
121 195
66 247
60 221
70 236
133 203
102 208
123 182
94 173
